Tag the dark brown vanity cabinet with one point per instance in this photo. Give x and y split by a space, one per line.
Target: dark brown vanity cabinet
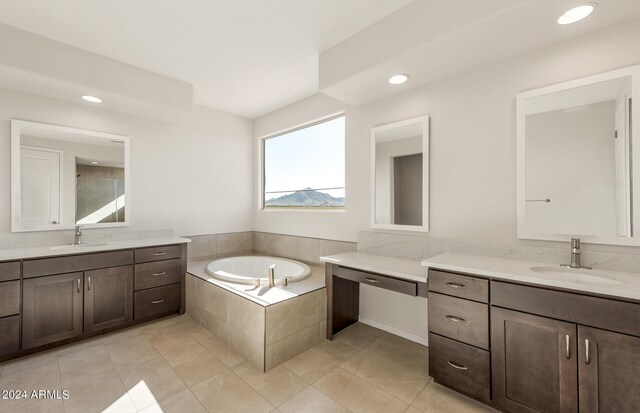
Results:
548 350
108 298
52 309
9 307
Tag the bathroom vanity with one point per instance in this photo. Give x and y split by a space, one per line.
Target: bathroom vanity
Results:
53 296
521 338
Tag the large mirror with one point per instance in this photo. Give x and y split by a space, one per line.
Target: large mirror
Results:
400 175
577 171
62 177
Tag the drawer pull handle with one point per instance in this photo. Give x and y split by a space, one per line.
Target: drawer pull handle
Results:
586 348
158 254
456 365
371 280
157 301
455 319
157 274
567 339
89 283
456 285
78 285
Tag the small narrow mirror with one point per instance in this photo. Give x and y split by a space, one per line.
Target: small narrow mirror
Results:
400 167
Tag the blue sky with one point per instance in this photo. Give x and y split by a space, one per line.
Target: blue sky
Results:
311 157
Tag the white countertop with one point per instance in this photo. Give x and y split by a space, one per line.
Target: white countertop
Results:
613 283
395 267
39 252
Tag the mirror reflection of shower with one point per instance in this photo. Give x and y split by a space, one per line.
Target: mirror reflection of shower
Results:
99 191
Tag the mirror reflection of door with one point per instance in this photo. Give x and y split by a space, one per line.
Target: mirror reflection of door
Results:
407 189
40 188
99 192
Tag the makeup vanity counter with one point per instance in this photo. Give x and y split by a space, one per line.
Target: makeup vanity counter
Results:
51 296
345 272
525 336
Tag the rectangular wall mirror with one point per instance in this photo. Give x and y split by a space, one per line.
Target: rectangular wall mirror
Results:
62 177
577 171
400 175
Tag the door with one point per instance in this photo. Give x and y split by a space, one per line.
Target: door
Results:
108 298
52 309
533 363
608 371
40 187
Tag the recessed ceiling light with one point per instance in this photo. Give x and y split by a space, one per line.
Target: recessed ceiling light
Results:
577 13
398 79
92 99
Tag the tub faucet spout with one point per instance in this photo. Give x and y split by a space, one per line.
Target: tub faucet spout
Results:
272 275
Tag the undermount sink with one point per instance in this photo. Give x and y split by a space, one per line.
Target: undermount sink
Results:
77 247
575 274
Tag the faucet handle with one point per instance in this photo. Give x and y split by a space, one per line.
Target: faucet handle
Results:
575 242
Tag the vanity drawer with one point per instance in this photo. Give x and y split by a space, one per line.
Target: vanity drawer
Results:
381 281
609 314
155 274
9 298
459 319
157 301
165 252
9 335
458 285
460 367
9 271
75 263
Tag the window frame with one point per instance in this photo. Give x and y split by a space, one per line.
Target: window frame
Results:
261 165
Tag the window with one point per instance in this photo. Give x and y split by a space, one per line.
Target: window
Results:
304 168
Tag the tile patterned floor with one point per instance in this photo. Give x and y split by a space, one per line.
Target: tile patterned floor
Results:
174 365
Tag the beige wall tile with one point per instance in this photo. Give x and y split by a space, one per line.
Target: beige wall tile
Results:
290 346
245 316
271 244
329 247
202 246
234 243
304 249
293 315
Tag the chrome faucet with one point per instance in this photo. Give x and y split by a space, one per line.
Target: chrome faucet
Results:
78 234
272 275
575 255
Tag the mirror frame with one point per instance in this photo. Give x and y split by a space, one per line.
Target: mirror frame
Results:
16 128
425 175
634 73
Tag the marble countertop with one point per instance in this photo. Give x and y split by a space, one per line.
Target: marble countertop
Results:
394 267
264 296
50 251
610 283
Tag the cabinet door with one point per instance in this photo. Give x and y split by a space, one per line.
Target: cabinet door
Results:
608 371
108 298
533 363
52 309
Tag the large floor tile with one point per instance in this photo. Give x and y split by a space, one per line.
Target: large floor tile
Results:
312 400
310 366
170 340
151 382
227 392
96 358
335 351
413 362
35 372
405 344
128 352
183 402
357 394
31 406
194 364
392 378
276 385
437 399
100 391
359 335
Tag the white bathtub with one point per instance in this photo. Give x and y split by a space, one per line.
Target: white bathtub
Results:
254 269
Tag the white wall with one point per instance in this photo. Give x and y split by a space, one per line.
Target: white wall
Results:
180 169
473 167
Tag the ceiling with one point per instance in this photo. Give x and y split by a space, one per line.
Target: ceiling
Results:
251 57
246 57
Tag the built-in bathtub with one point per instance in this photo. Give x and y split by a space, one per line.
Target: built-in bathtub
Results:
254 270
232 299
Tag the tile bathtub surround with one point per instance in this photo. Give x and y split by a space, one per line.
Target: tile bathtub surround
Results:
265 335
421 247
135 371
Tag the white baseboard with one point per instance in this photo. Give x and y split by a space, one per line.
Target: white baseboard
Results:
393 330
